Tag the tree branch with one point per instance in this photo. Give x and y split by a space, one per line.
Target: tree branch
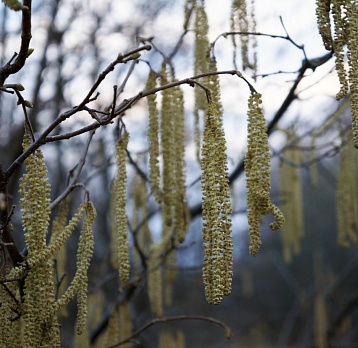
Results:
120 110
175 318
74 180
20 60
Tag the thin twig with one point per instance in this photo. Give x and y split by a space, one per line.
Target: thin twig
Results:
115 87
120 59
131 55
9 292
175 318
73 182
128 103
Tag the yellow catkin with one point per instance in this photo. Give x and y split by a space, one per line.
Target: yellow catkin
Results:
153 138
338 45
239 22
253 39
143 235
346 199
112 332
322 280
82 340
324 22
59 239
189 5
169 340
243 20
174 212
257 168
201 65
39 320
58 225
291 192
352 44
84 255
119 326
96 307
113 247
169 277
180 339
217 268
155 280
167 142
181 216
165 340
345 21
35 189
125 323
80 281
11 331
321 322
120 208
214 86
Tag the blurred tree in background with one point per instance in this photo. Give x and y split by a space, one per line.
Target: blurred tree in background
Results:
138 173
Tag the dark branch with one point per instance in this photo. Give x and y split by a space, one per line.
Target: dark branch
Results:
20 60
175 318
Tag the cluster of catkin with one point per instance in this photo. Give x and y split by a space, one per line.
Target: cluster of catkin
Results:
166 135
218 247
345 28
244 23
346 196
34 301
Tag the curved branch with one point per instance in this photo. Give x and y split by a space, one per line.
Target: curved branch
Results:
168 319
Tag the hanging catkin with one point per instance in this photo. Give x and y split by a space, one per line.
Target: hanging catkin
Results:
257 168
120 208
218 247
40 325
201 65
153 138
168 152
345 27
243 21
346 199
155 280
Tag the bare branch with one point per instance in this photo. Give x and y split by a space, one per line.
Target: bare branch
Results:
175 318
131 55
126 104
72 185
12 68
